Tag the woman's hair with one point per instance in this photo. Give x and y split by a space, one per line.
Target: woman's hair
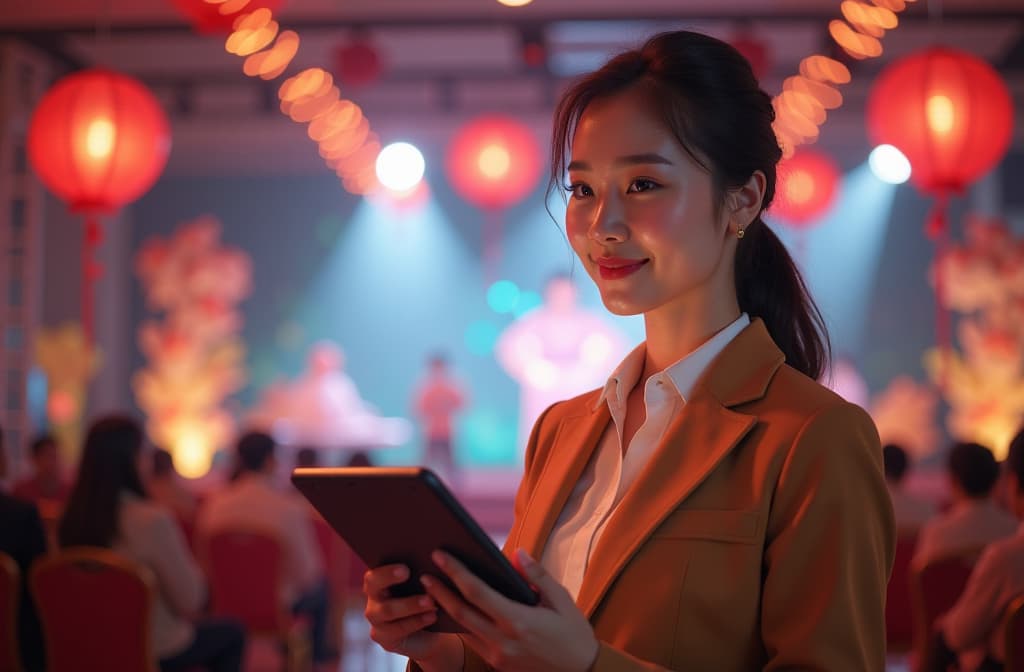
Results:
709 98
108 468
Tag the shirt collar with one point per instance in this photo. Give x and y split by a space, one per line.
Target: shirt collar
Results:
683 374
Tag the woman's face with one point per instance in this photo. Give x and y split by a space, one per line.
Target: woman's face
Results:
641 213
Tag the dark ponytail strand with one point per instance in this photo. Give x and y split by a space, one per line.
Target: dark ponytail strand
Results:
769 286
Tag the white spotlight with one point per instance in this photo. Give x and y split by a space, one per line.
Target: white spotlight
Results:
400 166
889 164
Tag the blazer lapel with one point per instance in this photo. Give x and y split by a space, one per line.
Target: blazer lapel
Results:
577 437
703 433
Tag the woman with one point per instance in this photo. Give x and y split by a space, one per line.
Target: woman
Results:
712 507
109 508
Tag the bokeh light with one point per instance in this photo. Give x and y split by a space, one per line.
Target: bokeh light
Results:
400 166
503 296
889 164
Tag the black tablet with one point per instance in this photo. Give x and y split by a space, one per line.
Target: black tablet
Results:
391 515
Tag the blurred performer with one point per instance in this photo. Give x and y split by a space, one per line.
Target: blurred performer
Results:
322 408
437 401
556 352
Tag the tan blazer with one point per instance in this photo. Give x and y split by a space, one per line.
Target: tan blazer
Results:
759 537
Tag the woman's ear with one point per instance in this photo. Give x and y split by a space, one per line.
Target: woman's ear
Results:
744 202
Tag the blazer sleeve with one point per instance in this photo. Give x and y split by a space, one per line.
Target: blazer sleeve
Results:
829 549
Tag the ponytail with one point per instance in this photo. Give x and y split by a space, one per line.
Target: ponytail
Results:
769 286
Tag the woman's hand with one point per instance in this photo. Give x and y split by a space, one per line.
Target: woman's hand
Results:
554 636
397 623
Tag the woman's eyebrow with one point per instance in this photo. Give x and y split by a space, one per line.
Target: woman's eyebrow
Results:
629 160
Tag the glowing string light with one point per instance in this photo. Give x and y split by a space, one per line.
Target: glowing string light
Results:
346 142
801 107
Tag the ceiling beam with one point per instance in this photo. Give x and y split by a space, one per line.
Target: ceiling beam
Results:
917 13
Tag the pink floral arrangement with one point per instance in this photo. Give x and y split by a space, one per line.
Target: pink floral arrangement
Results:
983 380
194 352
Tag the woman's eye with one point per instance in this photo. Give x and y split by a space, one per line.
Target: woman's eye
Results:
642 184
579 190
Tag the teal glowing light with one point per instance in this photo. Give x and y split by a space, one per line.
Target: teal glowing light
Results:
503 296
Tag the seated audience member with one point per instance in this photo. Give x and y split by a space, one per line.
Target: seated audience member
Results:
250 501
22 537
165 487
108 507
47 482
910 510
974 520
306 457
972 629
360 459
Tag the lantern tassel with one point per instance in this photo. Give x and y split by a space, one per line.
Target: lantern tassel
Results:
937 229
91 270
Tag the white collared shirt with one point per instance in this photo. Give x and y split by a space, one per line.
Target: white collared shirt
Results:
969 526
608 475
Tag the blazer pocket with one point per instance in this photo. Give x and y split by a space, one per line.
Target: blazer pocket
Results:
739 527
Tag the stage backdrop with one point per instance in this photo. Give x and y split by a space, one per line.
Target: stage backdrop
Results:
392 287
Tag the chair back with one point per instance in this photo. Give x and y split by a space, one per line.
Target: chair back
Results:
10 592
245 568
935 588
899 621
188 530
95 607
325 536
1014 636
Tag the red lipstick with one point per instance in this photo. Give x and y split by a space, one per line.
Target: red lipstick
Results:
614 268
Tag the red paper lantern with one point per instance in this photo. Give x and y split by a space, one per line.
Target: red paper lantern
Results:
357 63
494 162
755 51
98 139
951 115
806 188
207 19
948 111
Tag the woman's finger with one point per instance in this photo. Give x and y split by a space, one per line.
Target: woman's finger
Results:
392 635
462 613
379 612
475 591
377 581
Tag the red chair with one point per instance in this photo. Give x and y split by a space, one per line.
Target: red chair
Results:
188 530
899 621
10 590
1014 636
934 589
333 561
94 606
245 569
